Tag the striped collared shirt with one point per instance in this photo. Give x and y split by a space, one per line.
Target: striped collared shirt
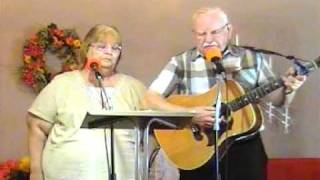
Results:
189 74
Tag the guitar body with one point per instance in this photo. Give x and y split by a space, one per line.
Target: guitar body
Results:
187 153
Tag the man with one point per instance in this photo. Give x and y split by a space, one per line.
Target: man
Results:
189 74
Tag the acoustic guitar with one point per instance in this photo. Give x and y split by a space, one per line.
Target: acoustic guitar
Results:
189 148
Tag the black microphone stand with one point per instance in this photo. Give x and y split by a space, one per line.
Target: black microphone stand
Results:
220 79
112 174
299 67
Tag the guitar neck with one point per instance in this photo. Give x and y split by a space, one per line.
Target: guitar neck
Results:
259 92
255 94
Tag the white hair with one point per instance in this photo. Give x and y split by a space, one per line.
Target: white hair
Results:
210 10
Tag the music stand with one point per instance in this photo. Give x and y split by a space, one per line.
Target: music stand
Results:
142 120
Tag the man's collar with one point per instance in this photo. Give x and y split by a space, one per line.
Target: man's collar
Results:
195 54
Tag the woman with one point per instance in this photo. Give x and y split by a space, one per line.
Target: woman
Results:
59 147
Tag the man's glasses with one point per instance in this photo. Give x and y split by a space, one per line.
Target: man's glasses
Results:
105 47
213 32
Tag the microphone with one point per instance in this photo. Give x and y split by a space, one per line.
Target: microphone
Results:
212 54
94 65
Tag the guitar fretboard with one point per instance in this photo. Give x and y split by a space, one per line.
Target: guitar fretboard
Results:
263 90
255 94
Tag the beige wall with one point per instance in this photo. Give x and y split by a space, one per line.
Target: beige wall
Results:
154 30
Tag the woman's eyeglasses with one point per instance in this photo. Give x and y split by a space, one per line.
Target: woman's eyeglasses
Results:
105 47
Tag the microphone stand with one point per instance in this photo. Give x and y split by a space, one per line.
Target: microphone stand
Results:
112 174
220 79
299 67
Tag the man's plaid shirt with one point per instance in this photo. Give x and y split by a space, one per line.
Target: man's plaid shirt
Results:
189 74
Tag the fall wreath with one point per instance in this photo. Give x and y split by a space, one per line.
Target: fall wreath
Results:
61 42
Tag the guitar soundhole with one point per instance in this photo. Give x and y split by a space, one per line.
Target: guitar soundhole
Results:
196 132
225 125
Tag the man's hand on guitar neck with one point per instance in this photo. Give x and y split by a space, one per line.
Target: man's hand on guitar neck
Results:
292 81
